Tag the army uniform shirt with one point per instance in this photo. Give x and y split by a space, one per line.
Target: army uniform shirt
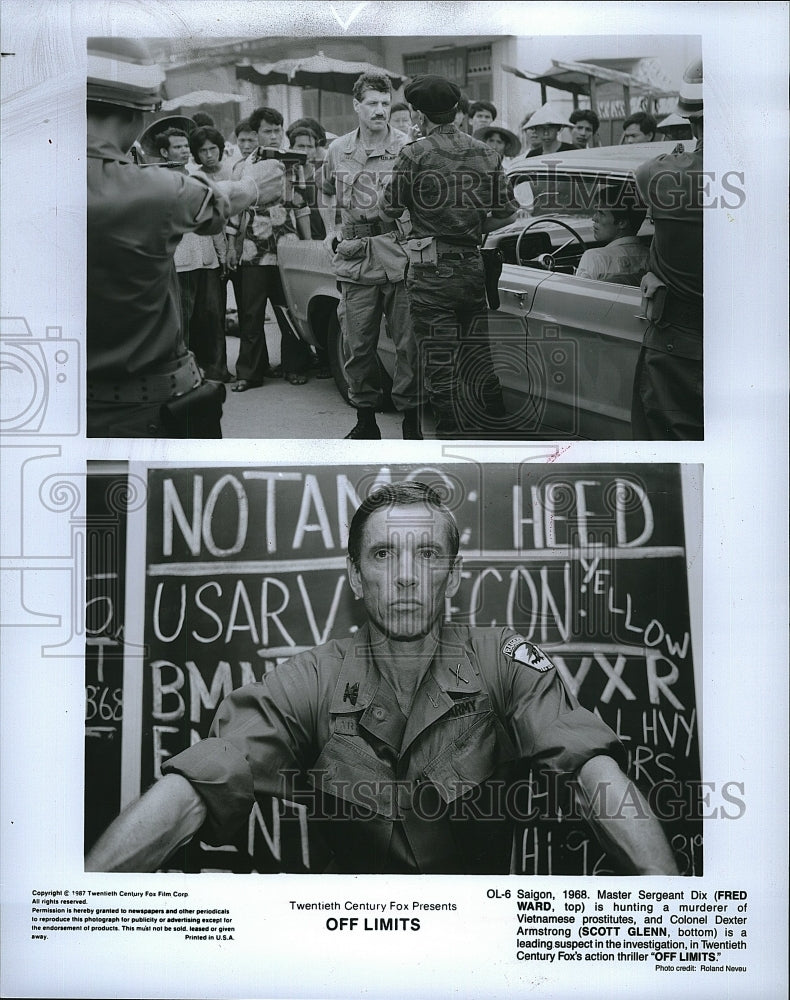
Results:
449 182
393 786
136 217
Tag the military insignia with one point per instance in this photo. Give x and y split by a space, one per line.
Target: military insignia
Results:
351 693
518 648
459 678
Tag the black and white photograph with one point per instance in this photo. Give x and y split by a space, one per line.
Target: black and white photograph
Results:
496 636
393 599
475 237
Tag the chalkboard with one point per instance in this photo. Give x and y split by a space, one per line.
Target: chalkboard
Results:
105 559
245 566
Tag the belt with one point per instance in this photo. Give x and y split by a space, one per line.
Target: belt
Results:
368 227
457 254
174 378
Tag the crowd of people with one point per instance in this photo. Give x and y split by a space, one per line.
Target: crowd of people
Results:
403 245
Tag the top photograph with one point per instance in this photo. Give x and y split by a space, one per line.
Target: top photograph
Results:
490 238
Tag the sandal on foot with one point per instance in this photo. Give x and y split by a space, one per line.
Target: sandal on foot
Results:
243 385
295 378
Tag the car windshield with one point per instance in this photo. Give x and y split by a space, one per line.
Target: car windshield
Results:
556 192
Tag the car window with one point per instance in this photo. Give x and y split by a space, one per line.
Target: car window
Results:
553 192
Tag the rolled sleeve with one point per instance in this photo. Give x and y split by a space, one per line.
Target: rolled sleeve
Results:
394 198
590 265
572 739
551 729
259 739
222 777
201 206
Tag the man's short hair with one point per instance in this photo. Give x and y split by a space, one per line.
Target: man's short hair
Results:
647 123
400 106
585 115
244 126
202 119
371 81
399 495
482 106
162 140
206 134
269 115
634 216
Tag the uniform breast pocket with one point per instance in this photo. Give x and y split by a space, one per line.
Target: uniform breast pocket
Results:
348 769
472 758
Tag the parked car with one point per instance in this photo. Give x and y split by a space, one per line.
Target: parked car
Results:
565 347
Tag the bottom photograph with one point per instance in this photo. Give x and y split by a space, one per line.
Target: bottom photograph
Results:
463 668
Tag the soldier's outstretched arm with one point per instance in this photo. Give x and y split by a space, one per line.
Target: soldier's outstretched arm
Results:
150 829
623 820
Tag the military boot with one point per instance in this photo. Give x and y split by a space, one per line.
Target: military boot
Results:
366 428
411 425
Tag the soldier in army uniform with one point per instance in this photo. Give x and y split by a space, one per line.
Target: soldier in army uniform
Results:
394 728
455 190
667 403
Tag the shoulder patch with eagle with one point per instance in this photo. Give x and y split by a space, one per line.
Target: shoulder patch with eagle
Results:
520 649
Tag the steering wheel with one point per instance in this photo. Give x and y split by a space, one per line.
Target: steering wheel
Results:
548 260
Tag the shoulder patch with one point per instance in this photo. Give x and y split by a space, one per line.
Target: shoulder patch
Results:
520 649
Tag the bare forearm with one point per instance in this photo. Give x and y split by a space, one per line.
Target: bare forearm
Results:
623 820
150 829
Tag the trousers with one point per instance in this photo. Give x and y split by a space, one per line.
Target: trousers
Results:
449 316
667 399
260 284
360 312
203 319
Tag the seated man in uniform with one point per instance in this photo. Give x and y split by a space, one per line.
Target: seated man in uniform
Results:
623 258
393 727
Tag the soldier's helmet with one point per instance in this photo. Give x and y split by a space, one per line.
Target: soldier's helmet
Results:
122 72
690 97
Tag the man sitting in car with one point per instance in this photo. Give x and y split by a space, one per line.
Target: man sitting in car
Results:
623 256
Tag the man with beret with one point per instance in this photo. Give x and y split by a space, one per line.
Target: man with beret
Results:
368 261
405 736
142 379
455 191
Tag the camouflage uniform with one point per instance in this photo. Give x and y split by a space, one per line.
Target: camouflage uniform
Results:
449 182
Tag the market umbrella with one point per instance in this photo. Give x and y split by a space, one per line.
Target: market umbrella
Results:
197 98
319 71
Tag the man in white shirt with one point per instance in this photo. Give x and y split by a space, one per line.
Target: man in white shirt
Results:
623 256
